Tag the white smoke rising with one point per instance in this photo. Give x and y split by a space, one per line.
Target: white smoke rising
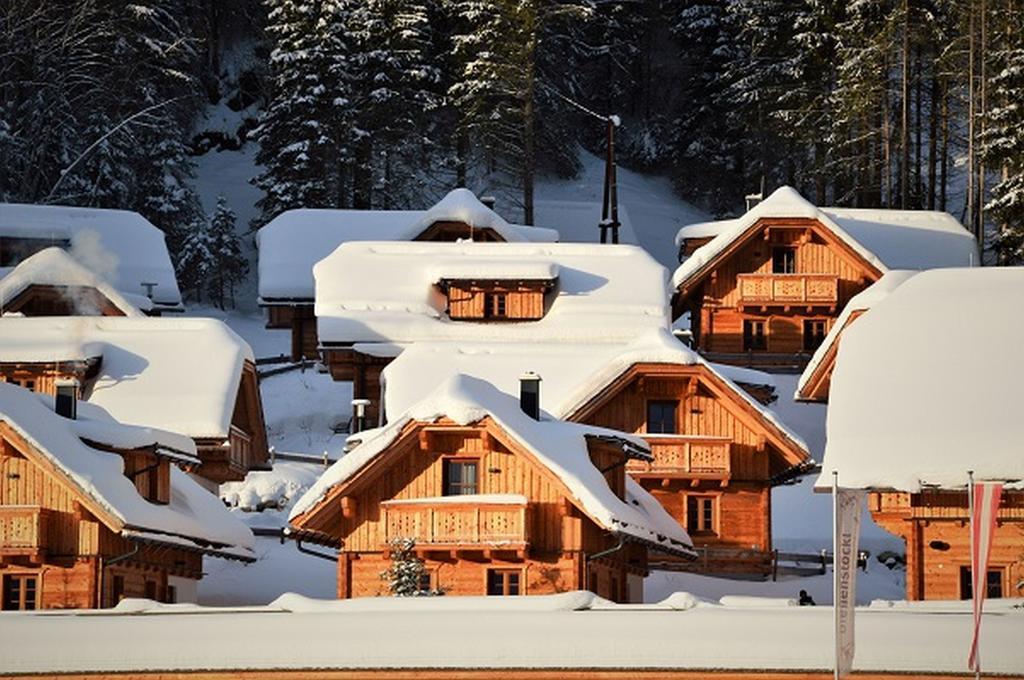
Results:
87 250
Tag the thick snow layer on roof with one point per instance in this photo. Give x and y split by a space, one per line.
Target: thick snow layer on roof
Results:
927 385
493 269
295 240
864 300
503 633
54 267
119 245
384 292
94 424
194 516
177 374
571 373
888 239
559 446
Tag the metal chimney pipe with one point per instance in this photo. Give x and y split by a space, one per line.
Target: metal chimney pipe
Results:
529 394
359 414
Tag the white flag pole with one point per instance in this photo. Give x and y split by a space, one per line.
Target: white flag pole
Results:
975 581
835 571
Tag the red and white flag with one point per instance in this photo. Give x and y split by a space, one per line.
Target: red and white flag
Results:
984 505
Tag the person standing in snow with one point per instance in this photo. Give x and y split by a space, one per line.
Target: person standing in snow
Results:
806 600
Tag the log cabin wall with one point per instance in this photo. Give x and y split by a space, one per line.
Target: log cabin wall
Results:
363 371
450 231
49 537
475 301
280 316
936 529
742 287
39 300
43 377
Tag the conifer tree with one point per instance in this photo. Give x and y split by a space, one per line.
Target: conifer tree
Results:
195 260
405 575
228 265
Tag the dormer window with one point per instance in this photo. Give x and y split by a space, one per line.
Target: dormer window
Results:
150 474
500 300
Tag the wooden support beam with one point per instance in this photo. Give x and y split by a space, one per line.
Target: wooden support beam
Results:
348 507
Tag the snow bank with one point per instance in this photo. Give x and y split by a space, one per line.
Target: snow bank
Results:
54 267
295 240
194 518
887 239
917 400
576 600
119 245
176 374
384 292
511 633
559 446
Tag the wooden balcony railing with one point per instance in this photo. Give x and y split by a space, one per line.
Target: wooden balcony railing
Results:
445 522
786 289
23 529
685 456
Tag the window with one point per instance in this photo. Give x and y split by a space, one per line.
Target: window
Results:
814 334
753 336
117 589
661 417
19 592
783 260
993 583
425 582
495 306
172 594
502 581
459 477
700 514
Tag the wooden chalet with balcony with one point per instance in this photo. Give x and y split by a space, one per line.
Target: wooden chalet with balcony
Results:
376 299
119 247
92 511
894 430
293 242
765 289
496 502
52 283
133 369
716 452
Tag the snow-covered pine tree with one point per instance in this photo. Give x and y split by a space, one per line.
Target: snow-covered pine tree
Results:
404 578
1003 141
228 264
305 133
195 260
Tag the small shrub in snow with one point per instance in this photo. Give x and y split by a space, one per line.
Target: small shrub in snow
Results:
405 575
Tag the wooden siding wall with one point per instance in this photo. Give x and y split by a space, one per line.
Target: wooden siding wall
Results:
305 341
280 316
715 303
742 518
417 473
466 301
43 377
39 300
701 413
363 371
936 531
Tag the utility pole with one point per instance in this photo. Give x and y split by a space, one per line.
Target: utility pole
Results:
610 202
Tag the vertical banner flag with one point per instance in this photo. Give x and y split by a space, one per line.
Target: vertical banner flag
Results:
984 505
847 509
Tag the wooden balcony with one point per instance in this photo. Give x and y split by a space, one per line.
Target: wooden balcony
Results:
447 523
685 456
23 530
788 289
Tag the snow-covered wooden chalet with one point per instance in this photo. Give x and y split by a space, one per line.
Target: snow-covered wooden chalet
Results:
716 452
293 242
374 299
497 501
926 388
119 246
92 510
191 376
764 289
52 283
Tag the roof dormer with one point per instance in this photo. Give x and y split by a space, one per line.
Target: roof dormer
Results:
496 291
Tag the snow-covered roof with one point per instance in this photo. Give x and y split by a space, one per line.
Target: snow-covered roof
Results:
554 632
559 446
572 374
178 374
927 384
858 304
118 245
55 267
384 292
194 517
498 268
887 239
295 240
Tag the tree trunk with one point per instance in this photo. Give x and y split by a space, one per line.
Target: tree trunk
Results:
918 184
982 57
944 165
362 175
529 125
933 130
905 109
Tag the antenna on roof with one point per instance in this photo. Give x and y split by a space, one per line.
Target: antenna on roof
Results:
149 286
489 201
753 199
